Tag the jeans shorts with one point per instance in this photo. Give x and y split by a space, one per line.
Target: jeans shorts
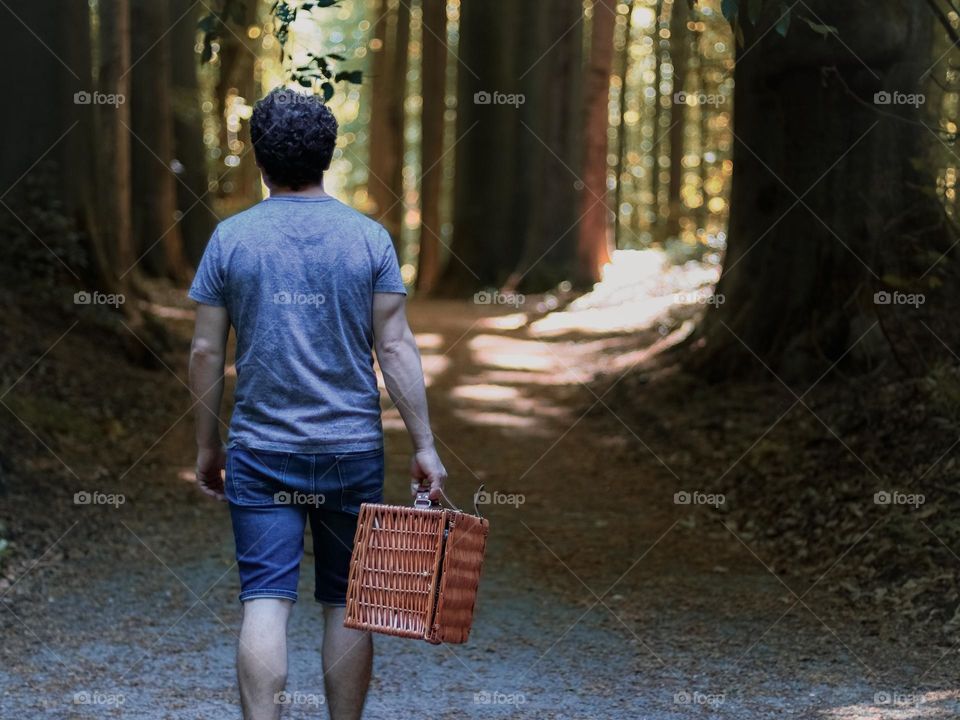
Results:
271 497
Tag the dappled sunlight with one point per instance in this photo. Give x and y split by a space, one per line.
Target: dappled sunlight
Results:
495 393
429 341
638 290
513 321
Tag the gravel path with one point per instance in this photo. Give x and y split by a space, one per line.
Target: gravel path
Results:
601 598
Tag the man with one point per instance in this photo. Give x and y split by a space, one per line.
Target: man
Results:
311 287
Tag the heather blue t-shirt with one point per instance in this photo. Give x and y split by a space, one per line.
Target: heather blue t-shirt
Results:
297 277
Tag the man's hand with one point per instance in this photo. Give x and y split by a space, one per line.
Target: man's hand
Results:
427 470
210 464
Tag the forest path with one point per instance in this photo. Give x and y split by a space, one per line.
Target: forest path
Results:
601 597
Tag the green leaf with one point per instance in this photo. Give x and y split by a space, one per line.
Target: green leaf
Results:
327 91
821 29
351 76
783 24
729 8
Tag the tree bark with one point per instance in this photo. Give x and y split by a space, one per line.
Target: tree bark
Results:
115 192
593 243
156 226
679 58
197 220
385 182
434 108
799 277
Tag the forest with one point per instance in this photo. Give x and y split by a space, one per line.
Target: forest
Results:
683 275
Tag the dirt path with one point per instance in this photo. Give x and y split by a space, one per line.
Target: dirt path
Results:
601 598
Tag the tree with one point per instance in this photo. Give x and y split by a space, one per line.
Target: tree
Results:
431 143
157 227
515 194
808 245
679 58
593 243
197 220
385 182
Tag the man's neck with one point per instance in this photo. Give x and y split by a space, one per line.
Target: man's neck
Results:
311 191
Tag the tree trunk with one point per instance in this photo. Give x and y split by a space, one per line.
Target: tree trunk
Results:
593 243
237 79
487 238
679 58
115 141
197 220
799 277
434 107
550 142
385 182
622 126
156 227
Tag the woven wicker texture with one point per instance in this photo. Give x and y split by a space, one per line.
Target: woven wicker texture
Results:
405 567
459 578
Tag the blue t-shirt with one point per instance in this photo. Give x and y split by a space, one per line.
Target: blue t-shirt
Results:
297 277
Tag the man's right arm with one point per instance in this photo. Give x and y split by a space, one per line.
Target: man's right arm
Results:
399 361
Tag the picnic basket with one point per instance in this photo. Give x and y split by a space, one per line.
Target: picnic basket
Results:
415 571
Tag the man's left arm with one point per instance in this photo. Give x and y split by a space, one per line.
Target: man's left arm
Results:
208 353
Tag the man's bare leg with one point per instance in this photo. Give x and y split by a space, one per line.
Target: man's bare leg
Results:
347 663
262 656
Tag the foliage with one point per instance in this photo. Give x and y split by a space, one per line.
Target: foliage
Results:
318 74
35 225
779 11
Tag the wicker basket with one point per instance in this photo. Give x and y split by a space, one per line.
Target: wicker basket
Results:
415 572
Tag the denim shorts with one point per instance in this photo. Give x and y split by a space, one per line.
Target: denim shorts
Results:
271 497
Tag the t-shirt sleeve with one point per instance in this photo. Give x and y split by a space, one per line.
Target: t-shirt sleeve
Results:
208 285
387 278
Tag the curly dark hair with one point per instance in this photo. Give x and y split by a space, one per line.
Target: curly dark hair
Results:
293 137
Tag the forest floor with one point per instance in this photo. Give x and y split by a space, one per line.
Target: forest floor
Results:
607 592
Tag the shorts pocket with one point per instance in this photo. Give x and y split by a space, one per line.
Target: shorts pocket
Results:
255 477
361 477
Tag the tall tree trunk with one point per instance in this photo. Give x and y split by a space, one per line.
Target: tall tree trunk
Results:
487 232
552 53
237 79
679 58
434 107
385 183
593 243
622 127
156 227
197 220
115 139
799 277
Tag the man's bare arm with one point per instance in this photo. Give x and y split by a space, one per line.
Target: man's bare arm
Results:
207 357
399 361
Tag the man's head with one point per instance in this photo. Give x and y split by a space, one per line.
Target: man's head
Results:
293 138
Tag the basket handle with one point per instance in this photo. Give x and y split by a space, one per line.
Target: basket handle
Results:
422 501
